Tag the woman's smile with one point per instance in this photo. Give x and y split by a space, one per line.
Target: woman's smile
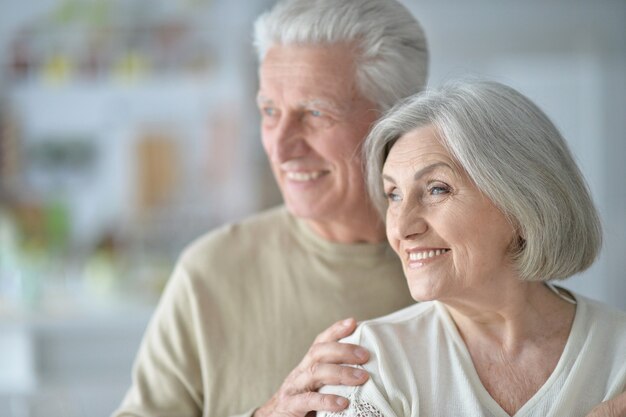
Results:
419 257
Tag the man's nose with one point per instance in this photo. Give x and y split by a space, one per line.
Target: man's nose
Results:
288 140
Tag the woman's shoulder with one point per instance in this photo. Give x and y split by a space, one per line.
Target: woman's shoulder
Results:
600 312
388 339
415 315
601 324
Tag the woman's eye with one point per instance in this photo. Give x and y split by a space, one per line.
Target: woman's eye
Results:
393 196
316 113
438 189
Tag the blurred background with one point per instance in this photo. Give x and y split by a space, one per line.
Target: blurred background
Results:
128 128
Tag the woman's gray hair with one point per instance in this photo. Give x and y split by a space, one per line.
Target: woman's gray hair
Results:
392 55
516 157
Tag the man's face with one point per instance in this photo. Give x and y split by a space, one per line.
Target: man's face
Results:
313 124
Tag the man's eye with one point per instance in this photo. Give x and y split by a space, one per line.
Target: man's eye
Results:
269 111
317 119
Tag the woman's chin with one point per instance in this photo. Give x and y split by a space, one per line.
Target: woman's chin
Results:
421 295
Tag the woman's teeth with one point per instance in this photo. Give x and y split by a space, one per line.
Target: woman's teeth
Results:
427 254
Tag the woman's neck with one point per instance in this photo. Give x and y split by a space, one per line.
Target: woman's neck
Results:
515 339
518 312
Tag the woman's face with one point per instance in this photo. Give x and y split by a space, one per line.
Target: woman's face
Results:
452 240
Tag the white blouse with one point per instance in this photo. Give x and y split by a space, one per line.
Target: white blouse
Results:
420 367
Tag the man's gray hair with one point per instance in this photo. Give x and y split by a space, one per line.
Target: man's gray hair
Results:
390 45
516 157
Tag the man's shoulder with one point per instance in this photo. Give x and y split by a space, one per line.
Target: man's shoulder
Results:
231 253
235 236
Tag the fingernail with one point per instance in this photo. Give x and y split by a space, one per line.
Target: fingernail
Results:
342 402
360 353
346 322
357 373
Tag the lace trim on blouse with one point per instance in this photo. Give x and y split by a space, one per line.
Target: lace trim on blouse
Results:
357 408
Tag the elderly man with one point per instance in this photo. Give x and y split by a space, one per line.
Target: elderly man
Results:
243 304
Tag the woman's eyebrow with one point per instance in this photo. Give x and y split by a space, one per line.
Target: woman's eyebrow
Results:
430 168
388 178
419 174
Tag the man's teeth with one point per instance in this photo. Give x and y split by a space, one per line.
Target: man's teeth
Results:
418 256
303 176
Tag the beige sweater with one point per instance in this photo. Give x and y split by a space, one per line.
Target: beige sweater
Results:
242 308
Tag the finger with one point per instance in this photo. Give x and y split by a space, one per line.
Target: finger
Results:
314 401
337 331
329 374
336 352
615 407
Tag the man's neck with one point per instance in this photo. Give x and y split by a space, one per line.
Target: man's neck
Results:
367 229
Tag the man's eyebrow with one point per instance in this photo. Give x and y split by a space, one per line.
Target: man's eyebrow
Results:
323 103
261 99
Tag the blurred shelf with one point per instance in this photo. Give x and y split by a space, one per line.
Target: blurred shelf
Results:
70 363
77 318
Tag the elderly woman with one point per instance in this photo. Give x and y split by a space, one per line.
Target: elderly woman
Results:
486 209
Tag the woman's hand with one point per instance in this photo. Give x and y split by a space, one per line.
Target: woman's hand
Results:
321 366
615 407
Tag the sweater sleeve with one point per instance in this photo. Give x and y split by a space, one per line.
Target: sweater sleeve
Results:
166 373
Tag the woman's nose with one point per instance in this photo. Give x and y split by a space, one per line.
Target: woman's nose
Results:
406 223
